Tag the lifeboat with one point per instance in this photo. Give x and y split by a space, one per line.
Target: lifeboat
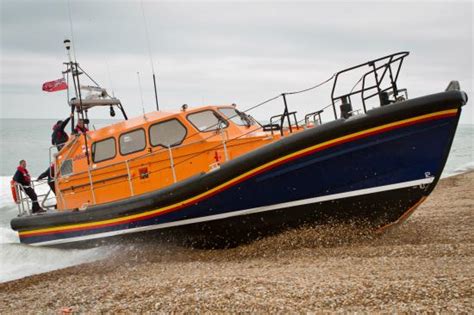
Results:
216 173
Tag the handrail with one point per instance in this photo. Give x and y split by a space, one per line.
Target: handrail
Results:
389 60
313 114
128 161
152 153
43 203
23 200
172 163
21 206
129 178
224 145
91 183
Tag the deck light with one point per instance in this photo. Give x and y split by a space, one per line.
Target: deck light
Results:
67 44
112 111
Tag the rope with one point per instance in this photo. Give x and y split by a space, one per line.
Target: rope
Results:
357 83
90 78
267 101
311 88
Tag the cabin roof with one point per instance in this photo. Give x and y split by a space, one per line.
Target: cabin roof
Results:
139 121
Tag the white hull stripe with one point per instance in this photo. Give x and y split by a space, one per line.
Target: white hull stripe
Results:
289 204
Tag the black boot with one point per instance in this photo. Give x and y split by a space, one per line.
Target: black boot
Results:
37 208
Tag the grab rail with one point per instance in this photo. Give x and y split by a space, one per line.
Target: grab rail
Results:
387 61
313 115
23 201
172 163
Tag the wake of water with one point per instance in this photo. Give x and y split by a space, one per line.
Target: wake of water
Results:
19 260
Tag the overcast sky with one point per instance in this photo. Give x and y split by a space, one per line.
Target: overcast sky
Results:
226 52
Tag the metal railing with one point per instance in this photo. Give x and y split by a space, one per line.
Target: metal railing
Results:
384 65
24 203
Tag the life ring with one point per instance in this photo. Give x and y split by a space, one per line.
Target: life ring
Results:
13 188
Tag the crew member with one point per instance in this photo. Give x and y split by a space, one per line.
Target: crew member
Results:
59 136
80 127
23 178
49 174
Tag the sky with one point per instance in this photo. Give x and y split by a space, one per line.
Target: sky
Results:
226 52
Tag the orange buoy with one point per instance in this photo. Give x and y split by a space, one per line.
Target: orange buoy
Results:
13 188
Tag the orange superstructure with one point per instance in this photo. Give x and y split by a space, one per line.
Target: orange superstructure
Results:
150 152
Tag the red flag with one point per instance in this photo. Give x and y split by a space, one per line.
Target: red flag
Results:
56 85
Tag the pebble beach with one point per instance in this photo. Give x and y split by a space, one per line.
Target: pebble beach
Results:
425 264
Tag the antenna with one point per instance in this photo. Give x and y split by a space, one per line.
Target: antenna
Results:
149 54
110 79
67 45
72 31
141 95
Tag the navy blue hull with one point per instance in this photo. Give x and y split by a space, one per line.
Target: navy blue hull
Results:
408 154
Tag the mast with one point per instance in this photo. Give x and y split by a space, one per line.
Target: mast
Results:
69 64
73 67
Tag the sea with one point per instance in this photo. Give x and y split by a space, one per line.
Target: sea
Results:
30 139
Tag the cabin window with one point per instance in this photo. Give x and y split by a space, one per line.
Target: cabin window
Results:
103 150
207 120
236 117
132 141
66 167
168 133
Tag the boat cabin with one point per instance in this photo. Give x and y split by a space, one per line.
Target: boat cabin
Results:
151 152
